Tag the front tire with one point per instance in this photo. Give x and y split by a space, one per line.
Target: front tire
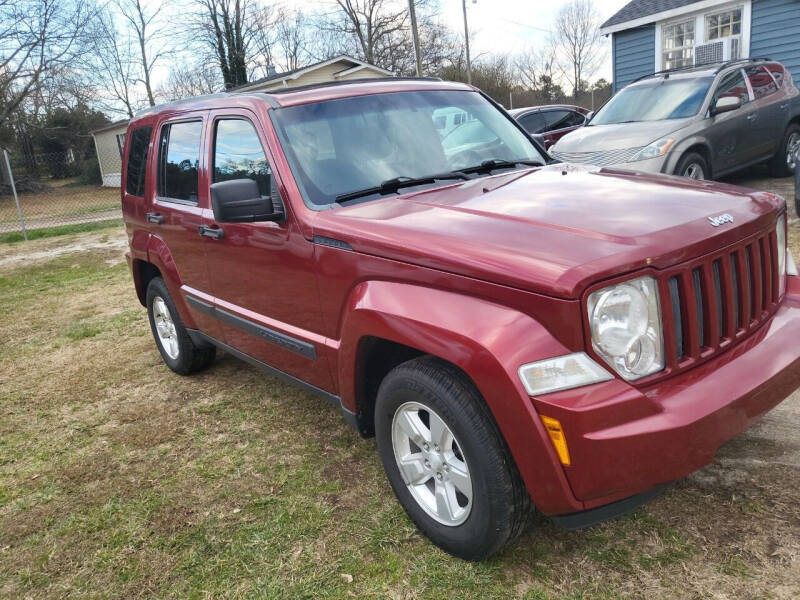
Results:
447 461
693 166
784 162
178 350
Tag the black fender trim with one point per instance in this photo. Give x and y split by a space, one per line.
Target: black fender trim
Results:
351 418
586 518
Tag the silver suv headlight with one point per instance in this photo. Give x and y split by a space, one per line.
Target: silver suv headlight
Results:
625 322
654 150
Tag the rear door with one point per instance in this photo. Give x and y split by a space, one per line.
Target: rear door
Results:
177 209
559 122
769 124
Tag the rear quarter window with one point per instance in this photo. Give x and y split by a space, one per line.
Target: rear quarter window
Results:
777 72
137 161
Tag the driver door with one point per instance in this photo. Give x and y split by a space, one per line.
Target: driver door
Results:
731 133
262 273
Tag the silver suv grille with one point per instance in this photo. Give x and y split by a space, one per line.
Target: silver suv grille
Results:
600 158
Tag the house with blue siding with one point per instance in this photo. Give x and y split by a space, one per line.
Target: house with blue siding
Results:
655 35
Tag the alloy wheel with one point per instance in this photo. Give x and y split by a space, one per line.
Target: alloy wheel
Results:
165 327
694 171
792 148
431 463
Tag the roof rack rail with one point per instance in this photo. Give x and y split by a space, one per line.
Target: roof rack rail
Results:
729 63
720 66
323 84
176 103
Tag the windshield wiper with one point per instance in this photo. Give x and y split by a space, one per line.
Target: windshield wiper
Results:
492 164
392 186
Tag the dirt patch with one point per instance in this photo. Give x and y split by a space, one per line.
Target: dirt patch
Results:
39 251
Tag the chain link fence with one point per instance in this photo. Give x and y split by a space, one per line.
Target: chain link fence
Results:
60 189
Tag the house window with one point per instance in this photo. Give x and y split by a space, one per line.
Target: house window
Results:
678 44
724 24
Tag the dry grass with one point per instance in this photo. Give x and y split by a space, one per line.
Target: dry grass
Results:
61 198
121 479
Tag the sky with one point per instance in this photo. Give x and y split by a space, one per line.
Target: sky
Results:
510 26
504 26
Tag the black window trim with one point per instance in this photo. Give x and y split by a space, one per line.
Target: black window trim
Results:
161 164
143 168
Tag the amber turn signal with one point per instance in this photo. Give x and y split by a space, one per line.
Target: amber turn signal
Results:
556 433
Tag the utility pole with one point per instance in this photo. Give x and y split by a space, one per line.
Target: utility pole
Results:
466 41
415 34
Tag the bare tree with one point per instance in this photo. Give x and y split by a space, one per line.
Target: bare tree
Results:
185 81
153 37
227 29
113 65
292 33
577 37
533 64
374 24
37 37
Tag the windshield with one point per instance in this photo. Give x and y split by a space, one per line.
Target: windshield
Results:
662 99
340 146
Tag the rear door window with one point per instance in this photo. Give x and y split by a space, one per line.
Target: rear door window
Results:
561 119
533 122
238 154
179 160
137 161
777 72
761 81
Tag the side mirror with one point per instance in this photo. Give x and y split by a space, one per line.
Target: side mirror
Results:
588 117
239 201
726 104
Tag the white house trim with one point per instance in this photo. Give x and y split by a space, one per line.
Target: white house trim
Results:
696 12
666 15
357 68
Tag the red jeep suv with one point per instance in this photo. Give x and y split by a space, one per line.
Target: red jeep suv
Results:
513 331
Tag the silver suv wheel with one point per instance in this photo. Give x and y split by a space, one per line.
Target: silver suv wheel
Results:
431 463
165 328
694 171
792 148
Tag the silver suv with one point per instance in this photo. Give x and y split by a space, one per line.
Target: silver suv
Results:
700 122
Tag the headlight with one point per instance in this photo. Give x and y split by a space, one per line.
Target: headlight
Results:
654 150
625 322
780 234
561 373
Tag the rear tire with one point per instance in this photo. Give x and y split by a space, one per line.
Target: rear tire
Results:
475 502
179 351
784 162
693 166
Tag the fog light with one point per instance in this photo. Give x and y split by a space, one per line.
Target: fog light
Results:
556 433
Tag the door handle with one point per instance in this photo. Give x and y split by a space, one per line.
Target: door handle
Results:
212 232
784 106
155 218
752 117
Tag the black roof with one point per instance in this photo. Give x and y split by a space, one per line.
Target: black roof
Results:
636 9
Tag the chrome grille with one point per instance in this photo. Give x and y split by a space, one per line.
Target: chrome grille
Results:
601 158
718 300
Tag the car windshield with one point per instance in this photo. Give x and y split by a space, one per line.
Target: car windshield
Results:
338 147
655 101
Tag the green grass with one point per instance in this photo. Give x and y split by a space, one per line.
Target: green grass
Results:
120 479
46 232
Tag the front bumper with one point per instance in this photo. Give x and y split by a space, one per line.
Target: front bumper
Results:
624 441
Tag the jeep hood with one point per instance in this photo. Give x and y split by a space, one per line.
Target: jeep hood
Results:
593 138
552 230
